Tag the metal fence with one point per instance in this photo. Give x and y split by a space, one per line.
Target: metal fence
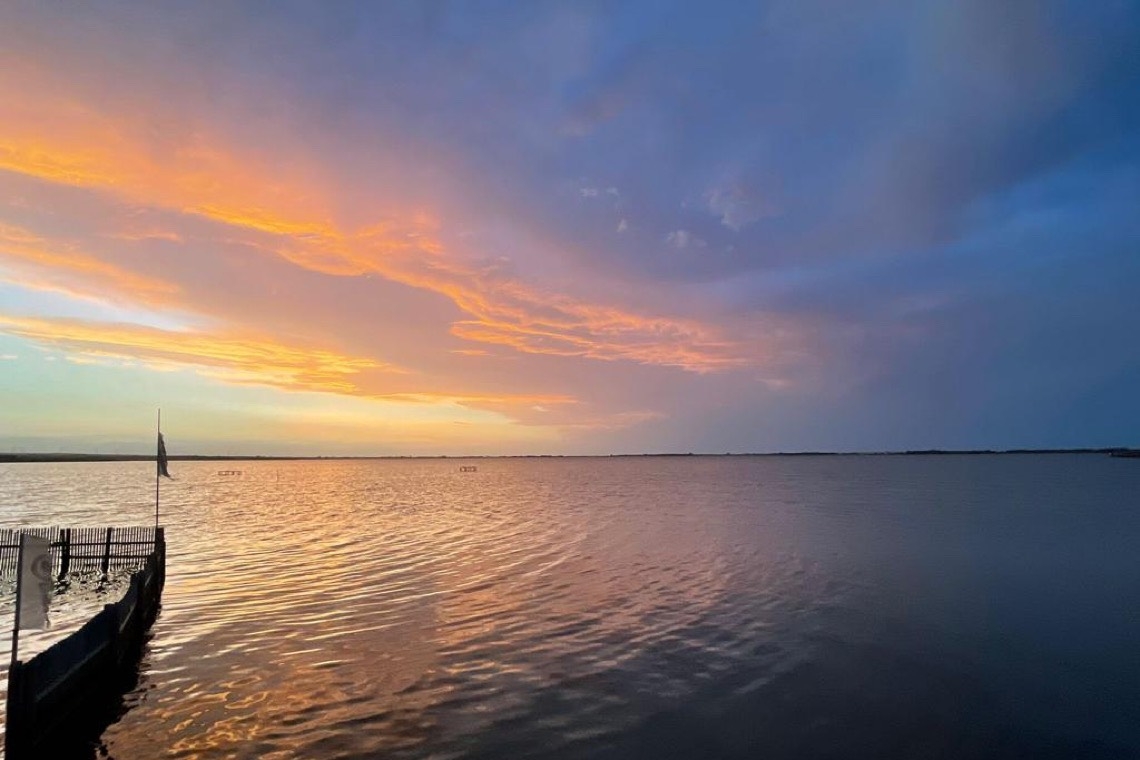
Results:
75 550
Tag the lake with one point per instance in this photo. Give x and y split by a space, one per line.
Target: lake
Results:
640 607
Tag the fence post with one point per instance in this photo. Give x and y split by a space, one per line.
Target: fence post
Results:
107 551
64 552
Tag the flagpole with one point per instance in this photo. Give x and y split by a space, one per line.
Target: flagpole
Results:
157 468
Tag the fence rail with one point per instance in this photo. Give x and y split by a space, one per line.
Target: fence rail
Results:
80 549
78 679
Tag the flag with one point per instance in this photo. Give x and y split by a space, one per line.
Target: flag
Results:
162 457
34 583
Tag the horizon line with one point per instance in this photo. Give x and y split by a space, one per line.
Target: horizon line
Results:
32 457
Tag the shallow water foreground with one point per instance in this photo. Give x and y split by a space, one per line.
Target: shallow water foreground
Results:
722 607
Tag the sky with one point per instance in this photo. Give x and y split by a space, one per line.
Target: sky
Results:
423 228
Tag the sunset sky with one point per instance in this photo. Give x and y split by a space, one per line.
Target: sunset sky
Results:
514 228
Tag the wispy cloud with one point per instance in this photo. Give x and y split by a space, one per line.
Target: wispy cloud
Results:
143 235
738 205
684 239
61 265
256 360
231 357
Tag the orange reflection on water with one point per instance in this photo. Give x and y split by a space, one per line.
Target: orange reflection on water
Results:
357 608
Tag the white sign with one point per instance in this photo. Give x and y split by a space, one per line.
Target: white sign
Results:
34 586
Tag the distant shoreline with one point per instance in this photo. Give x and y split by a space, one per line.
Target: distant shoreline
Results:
76 457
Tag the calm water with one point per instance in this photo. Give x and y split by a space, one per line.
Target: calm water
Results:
831 607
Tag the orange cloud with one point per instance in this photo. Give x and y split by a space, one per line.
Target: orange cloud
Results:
248 360
62 266
478 399
136 236
61 140
235 358
510 313
611 422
